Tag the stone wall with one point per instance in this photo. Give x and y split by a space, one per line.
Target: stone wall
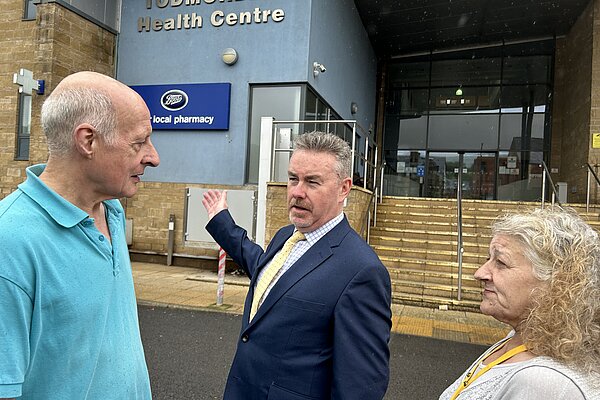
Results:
594 154
150 210
154 202
572 108
17 50
56 44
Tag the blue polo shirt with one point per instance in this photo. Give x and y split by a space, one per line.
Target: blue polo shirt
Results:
68 317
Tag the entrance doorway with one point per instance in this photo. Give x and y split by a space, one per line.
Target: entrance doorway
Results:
483 113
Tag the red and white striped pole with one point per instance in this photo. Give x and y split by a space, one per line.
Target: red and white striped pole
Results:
221 276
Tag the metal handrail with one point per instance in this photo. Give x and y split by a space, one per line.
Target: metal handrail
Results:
381 182
459 239
368 165
554 192
367 218
590 173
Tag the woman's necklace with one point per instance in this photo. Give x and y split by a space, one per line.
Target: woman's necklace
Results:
472 376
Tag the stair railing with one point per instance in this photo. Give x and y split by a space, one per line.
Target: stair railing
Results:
459 238
546 175
590 173
367 217
381 179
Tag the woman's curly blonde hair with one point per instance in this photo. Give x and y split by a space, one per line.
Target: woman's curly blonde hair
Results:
564 320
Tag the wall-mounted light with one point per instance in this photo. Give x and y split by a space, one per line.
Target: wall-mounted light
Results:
353 108
318 68
229 56
459 91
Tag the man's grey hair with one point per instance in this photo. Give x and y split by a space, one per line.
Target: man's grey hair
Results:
63 111
328 143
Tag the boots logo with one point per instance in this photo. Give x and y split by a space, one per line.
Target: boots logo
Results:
174 100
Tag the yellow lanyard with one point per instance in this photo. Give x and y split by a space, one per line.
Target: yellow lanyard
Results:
470 378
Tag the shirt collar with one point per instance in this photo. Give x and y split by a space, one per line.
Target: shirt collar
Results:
314 236
63 212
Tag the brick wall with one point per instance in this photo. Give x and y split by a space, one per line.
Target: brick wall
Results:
574 96
58 43
150 210
358 203
151 207
594 154
277 214
17 48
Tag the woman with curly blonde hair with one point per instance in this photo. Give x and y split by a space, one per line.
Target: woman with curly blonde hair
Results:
542 278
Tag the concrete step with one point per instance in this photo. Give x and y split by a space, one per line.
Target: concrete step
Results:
417 203
417 241
421 251
428 265
431 244
441 291
395 242
448 226
435 302
441 226
433 277
426 215
419 233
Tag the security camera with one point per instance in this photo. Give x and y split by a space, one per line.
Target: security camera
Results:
318 68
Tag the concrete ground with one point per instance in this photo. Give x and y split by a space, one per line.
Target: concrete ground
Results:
192 288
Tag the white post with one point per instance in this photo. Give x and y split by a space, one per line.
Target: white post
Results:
264 175
587 196
221 277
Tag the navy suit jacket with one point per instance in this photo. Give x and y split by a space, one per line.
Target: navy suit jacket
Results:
323 330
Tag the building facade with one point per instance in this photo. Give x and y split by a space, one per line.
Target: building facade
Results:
488 110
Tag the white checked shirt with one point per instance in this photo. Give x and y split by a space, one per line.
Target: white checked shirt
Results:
298 250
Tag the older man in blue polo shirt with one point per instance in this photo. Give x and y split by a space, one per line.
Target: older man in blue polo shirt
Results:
68 318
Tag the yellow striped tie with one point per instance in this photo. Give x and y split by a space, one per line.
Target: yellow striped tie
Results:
272 269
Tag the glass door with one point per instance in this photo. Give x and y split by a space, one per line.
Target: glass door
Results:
404 173
442 174
479 182
478 174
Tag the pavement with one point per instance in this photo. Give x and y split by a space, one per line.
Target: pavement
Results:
193 288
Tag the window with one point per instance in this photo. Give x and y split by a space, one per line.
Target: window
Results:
280 102
29 10
105 12
292 103
24 128
476 108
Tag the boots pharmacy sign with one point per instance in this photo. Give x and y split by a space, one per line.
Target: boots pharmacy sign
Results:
199 106
194 14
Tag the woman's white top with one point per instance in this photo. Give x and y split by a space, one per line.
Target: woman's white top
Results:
539 378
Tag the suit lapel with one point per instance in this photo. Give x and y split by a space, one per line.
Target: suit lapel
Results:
310 260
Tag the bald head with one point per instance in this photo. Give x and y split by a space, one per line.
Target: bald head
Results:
86 98
98 82
88 79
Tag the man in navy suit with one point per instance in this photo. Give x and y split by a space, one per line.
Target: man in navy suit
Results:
317 324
